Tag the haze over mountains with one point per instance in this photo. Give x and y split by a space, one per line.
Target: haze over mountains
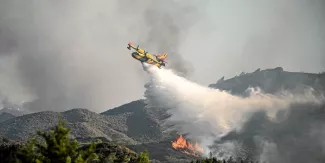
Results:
271 81
5 116
136 123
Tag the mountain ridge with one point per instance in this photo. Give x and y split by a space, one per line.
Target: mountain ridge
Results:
83 123
138 125
271 81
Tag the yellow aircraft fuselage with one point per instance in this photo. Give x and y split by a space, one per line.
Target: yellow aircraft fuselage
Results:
143 56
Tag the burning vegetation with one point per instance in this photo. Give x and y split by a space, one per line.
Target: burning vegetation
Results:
187 147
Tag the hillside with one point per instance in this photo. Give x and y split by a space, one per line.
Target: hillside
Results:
142 122
55 146
14 111
83 124
163 152
5 116
271 81
296 135
137 125
129 123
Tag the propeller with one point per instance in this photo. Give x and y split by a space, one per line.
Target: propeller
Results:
129 45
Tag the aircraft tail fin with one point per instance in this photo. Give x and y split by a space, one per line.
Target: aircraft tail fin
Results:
162 56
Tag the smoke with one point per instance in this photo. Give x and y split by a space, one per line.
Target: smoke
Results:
241 36
66 54
57 55
167 28
206 114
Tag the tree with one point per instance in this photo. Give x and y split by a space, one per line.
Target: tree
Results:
5 140
144 157
56 147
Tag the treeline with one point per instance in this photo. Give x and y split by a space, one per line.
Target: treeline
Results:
56 146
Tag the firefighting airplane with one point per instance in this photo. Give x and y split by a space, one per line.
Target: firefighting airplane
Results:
143 56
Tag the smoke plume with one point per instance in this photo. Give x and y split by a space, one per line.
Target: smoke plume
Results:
57 55
65 54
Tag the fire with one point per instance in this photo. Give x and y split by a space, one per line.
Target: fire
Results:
187 147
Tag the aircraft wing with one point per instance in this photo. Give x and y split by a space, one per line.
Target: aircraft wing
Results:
139 50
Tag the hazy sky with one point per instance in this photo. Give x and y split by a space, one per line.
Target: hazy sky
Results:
66 54
236 36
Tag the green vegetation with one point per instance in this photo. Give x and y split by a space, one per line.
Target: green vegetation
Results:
56 146
144 157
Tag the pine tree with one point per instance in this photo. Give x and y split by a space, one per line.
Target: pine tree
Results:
144 157
57 147
210 155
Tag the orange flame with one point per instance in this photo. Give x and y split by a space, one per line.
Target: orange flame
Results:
187 147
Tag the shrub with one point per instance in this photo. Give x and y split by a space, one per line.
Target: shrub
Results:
144 157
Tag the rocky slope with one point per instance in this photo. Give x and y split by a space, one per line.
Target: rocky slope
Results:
5 116
141 122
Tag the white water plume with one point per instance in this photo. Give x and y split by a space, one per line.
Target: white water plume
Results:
203 110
